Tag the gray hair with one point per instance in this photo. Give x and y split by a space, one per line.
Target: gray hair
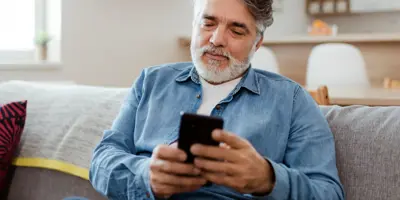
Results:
262 12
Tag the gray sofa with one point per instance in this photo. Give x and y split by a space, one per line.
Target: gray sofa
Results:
368 150
367 141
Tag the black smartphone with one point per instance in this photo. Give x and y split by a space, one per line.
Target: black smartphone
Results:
196 128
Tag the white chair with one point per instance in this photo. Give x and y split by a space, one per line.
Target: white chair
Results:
336 65
265 59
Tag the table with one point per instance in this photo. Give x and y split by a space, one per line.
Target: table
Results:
367 96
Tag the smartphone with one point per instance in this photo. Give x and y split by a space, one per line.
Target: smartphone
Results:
196 128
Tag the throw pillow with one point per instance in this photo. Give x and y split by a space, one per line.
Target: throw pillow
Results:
12 123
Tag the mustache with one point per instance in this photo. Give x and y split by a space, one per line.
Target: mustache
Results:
215 51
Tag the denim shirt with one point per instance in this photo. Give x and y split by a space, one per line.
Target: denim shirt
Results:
275 114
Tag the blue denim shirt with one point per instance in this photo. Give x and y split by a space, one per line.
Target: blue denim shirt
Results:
275 114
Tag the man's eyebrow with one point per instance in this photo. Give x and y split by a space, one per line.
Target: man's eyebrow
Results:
209 17
241 25
234 23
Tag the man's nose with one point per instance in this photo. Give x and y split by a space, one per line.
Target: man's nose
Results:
218 38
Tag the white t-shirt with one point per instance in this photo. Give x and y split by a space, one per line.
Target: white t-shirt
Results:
213 94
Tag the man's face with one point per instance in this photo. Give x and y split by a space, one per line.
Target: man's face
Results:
224 39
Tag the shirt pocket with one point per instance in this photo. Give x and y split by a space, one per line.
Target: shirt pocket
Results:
266 136
172 136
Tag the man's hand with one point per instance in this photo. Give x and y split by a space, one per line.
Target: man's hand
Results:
170 175
235 164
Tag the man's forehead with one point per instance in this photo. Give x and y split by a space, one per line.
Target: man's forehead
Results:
225 10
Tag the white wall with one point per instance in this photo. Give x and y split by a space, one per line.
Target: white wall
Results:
108 42
384 22
291 20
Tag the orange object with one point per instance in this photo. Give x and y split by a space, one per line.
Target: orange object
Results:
319 24
319 27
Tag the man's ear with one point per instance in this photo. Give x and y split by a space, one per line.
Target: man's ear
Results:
260 42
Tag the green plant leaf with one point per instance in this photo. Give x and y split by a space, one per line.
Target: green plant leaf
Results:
42 38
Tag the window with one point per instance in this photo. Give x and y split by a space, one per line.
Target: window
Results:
20 21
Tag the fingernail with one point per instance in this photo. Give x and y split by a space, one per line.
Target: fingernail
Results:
217 133
194 148
159 162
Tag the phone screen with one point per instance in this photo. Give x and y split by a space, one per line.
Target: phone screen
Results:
196 128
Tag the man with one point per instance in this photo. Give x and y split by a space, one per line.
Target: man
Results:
275 144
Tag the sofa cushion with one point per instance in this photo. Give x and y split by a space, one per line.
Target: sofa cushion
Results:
368 150
43 184
12 122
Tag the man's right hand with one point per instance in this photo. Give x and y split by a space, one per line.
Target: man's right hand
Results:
170 175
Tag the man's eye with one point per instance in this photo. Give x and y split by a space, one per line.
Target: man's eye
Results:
208 24
237 33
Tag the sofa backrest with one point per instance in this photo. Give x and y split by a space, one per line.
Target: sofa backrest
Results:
367 150
63 125
64 122
367 138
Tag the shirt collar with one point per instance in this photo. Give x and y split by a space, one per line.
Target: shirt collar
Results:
249 80
187 73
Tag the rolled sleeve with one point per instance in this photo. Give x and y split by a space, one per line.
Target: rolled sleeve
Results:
308 169
281 188
143 187
116 171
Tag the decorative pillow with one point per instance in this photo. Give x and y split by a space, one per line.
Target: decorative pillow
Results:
12 122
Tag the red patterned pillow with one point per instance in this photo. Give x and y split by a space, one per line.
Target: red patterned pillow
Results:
12 122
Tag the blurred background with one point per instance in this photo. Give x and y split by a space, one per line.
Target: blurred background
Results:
347 45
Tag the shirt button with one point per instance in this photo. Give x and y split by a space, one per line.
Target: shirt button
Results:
198 96
218 107
147 195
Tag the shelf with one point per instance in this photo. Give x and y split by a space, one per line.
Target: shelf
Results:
328 7
345 38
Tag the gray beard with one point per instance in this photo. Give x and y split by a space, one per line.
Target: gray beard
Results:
211 71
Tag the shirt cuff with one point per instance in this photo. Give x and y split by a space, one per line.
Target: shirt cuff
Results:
143 188
281 187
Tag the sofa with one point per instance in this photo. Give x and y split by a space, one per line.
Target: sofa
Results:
65 122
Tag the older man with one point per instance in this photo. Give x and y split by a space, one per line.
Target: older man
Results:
276 143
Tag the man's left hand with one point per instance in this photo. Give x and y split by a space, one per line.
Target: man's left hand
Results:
234 164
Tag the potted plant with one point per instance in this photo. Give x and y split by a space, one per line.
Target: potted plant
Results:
42 39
